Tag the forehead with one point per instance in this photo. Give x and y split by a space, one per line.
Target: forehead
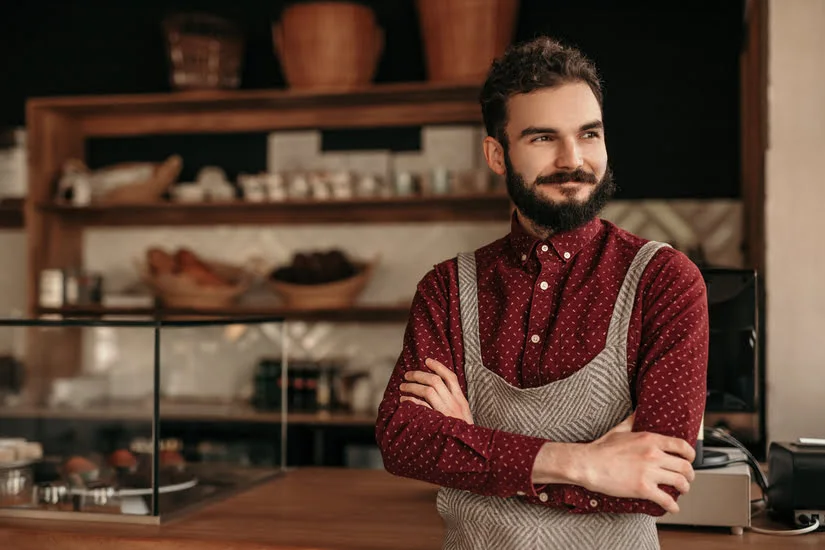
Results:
564 107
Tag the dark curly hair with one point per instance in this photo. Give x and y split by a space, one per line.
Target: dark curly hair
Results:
529 66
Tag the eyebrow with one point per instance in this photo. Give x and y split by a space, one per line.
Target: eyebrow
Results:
533 130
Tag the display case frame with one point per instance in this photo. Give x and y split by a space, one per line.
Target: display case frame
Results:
162 501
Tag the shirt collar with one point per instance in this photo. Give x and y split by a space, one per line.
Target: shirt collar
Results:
566 245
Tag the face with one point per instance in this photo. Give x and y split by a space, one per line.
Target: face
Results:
555 160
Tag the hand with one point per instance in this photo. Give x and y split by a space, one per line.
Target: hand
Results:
624 463
439 391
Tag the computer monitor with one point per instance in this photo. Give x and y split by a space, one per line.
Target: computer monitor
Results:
735 396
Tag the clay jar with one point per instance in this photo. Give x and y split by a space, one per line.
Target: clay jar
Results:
462 37
330 46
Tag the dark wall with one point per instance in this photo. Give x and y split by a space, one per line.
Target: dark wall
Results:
671 73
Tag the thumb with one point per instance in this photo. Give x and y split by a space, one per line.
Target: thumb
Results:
625 425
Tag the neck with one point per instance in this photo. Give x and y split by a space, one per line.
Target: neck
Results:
538 231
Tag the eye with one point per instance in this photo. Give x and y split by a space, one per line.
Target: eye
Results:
541 138
592 134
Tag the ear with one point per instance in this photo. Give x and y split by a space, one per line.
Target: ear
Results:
494 155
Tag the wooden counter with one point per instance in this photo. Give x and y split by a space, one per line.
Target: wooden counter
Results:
325 509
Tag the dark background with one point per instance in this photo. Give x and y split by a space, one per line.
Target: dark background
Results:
671 73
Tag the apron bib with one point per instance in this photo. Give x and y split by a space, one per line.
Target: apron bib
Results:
581 407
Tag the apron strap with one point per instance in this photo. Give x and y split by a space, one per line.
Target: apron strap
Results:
468 306
620 321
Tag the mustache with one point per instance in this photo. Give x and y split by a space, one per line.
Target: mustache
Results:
578 175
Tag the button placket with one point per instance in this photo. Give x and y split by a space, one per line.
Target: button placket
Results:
538 317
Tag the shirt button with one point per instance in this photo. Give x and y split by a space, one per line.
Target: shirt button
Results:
566 255
544 248
543 497
593 503
535 338
544 285
524 257
520 493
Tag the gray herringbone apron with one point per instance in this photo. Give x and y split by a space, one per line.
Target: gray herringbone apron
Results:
582 407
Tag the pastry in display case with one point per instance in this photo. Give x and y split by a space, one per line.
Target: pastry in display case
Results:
98 432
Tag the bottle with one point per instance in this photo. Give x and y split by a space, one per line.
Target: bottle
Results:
323 392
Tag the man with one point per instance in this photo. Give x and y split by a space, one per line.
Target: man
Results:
552 382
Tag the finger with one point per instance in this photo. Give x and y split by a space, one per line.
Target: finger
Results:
678 465
427 393
666 477
432 380
677 446
448 376
664 500
451 381
416 401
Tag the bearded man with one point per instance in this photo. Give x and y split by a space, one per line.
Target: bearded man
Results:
551 382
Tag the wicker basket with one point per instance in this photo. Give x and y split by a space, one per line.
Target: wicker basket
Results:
462 37
179 291
330 46
338 294
205 52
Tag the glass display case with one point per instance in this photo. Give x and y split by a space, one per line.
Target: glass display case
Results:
135 420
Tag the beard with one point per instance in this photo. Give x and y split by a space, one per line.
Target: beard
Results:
555 216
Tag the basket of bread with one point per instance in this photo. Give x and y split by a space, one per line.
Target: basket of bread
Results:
321 280
184 280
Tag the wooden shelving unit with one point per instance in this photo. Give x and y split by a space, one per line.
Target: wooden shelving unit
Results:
58 128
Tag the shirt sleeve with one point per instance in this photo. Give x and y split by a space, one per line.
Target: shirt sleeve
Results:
670 349
423 444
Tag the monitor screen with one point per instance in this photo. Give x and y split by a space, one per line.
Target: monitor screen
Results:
733 372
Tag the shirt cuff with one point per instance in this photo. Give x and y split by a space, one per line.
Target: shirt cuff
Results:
579 500
511 464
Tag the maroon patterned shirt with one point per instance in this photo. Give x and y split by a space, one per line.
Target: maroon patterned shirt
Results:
561 290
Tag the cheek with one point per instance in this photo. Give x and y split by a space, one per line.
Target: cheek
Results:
597 159
529 164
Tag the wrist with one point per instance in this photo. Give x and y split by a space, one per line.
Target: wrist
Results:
560 463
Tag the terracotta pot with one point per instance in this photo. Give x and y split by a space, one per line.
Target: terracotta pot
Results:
328 45
462 37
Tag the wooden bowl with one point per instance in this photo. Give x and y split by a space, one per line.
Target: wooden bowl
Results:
334 295
180 291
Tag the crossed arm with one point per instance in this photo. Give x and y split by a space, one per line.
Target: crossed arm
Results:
425 428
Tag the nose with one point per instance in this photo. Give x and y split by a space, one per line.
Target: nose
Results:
568 157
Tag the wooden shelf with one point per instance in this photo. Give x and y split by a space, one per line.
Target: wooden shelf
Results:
357 314
182 412
59 130
11 214
400 104
477 207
